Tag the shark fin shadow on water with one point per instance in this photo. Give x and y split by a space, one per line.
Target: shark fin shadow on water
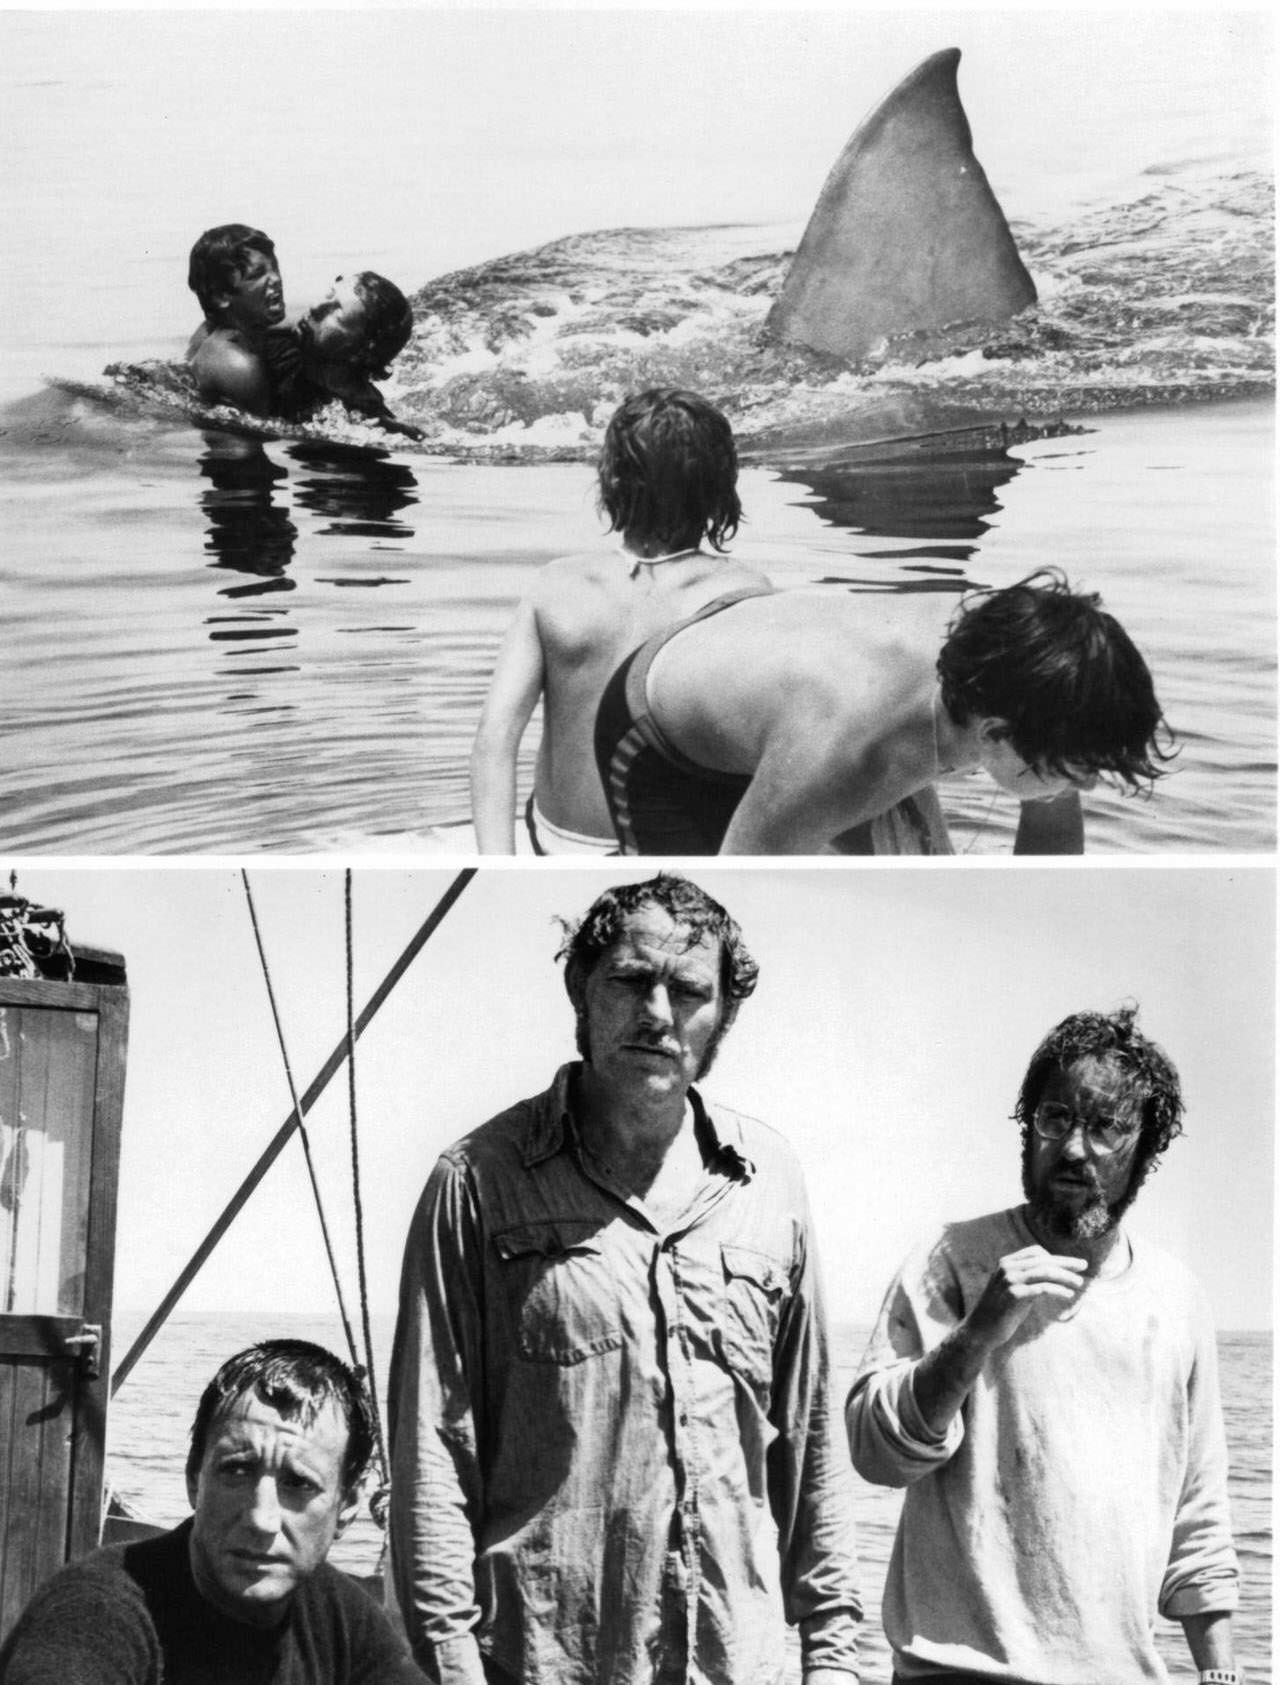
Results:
906 234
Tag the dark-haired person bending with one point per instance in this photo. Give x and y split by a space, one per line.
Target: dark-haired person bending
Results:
1045 1388
790 724
667 481
241 1593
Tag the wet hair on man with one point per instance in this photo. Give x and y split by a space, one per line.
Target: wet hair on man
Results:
1074 693
297 1379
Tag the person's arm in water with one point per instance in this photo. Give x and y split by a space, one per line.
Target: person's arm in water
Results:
1055 827
359 393
518 677
226 371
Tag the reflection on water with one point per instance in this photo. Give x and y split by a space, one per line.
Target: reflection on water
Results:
360 490
319 698
249 532
947 502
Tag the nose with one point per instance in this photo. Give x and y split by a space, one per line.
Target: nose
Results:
1074 1143
657 1004
264 1512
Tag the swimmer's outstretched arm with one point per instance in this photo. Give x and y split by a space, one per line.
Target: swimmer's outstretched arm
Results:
1055 827
519 675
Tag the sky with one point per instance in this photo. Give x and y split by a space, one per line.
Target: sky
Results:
896 1012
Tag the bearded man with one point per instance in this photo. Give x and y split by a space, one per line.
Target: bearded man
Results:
1045 1387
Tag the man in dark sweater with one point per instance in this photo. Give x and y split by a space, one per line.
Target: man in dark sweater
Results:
239 1594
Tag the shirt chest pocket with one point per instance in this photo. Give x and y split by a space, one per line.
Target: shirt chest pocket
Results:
560 1298
755 1290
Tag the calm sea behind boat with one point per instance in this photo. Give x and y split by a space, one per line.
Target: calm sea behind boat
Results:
150 1419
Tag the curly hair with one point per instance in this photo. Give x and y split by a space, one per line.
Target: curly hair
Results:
668 470
220 256
1149 1077
603 923
298 1379
1063 676
388 322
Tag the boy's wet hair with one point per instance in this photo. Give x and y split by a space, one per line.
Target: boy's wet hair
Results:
1063 674
388 320
668 467
297 1379
220 256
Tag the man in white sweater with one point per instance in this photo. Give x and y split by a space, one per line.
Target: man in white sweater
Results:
1046 1389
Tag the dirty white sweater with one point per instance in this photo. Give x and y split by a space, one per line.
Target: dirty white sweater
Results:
1081 1486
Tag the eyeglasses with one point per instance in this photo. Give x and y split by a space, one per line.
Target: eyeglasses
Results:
1104 1134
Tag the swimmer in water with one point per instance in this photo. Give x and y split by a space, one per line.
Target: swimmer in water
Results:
245 354
340 347
667 480
234 274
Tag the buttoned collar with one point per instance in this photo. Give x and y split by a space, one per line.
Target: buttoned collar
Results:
553 1127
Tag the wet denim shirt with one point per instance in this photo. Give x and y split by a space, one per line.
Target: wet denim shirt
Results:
613 1455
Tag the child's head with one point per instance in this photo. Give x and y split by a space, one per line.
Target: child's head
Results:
363 324
1062 677
668 470
234 274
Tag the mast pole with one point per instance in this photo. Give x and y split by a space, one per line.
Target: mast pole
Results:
278 1142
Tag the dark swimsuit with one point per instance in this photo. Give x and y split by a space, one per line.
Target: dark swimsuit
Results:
660 801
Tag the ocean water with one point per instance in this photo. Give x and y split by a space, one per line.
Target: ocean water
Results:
150 1419
283 644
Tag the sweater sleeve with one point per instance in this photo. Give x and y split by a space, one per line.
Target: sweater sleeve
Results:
888 1439
88 1625
1203 1575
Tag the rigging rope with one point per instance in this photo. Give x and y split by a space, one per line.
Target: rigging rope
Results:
302 1128
378 1503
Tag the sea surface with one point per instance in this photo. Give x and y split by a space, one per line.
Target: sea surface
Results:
225 644
150 1419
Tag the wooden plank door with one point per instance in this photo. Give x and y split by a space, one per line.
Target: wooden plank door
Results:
62 1052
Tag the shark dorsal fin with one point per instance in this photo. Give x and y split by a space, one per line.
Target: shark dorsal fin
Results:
906 233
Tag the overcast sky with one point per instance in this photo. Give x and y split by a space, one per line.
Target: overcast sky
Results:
896 1011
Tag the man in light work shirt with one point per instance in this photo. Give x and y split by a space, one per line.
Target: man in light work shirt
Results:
1046 1389
612 1456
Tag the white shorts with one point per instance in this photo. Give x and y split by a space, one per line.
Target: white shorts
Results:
555 839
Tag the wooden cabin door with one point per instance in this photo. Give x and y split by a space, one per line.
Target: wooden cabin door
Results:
62 1054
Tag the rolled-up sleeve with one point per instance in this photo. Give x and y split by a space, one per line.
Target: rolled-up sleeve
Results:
888 1439
811 1490
1203 1575
435 1385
